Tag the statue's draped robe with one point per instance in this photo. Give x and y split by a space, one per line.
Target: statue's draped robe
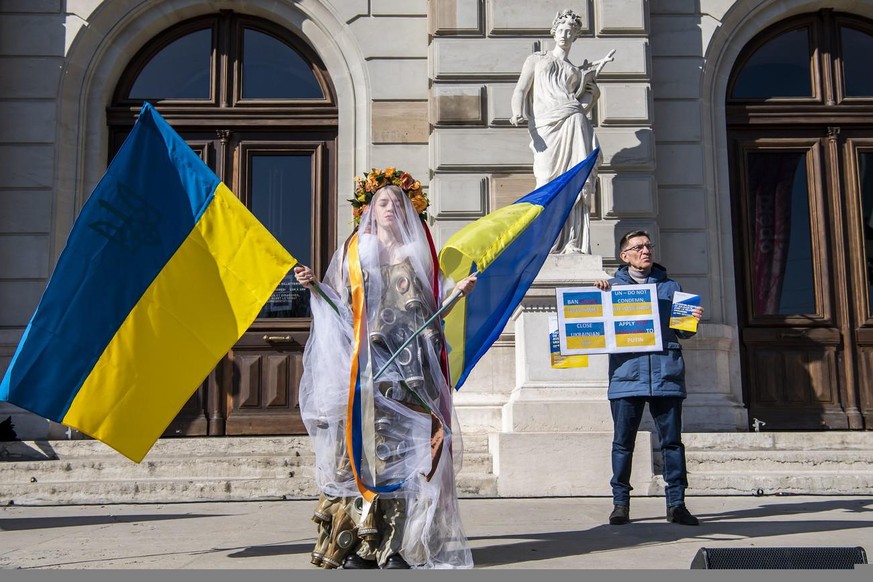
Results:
562 136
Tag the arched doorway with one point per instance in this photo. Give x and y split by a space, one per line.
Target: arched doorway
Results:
258 105
799 111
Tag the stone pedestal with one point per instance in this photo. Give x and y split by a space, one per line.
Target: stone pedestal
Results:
567 271
565 463
555 399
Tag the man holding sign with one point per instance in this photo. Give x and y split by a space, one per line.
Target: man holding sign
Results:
656 378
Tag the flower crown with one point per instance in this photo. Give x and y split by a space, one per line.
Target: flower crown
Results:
367 185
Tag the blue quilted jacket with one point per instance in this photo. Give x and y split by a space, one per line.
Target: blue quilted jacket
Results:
651 373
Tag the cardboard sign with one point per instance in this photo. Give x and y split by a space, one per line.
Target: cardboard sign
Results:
623 319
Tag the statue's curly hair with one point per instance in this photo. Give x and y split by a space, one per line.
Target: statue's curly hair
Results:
569 17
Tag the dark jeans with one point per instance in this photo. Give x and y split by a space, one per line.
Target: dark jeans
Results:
626 416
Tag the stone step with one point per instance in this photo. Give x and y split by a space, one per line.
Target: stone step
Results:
230 467
780 483
199 468
184 447
163 448
240 468
475 442
821 461
476 484
779 463
190 469
477 463
795 441
155 491
195 468
112 491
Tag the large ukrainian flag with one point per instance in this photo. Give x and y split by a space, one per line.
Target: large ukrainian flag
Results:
163 271
507 247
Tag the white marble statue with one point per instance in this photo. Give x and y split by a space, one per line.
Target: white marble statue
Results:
554 97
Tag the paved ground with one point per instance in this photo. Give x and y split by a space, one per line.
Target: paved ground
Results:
553 533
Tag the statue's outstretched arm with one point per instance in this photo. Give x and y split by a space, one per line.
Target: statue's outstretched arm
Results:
600 64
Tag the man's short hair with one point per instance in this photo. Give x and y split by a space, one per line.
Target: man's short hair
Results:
625 240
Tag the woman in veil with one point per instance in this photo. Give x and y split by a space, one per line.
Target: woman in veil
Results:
387 446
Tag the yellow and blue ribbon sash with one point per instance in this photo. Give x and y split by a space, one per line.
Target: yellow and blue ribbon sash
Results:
360 433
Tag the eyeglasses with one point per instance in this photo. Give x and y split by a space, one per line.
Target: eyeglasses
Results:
638 248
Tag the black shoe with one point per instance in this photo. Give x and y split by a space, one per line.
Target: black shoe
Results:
356 562
395 562
620 515
681 515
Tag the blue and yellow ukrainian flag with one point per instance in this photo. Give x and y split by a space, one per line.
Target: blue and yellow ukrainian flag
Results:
507 247
163 272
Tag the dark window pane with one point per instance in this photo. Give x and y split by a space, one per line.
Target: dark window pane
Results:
780 68
273 70
281 195
865 178
181 70
782 268
857 48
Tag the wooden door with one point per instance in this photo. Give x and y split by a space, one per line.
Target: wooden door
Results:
799 115
856 153
791 337
283 178
805 219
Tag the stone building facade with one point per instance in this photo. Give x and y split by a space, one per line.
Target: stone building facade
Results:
426 86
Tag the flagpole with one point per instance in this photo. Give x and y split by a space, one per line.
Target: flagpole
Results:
452 300
324 296
321 292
